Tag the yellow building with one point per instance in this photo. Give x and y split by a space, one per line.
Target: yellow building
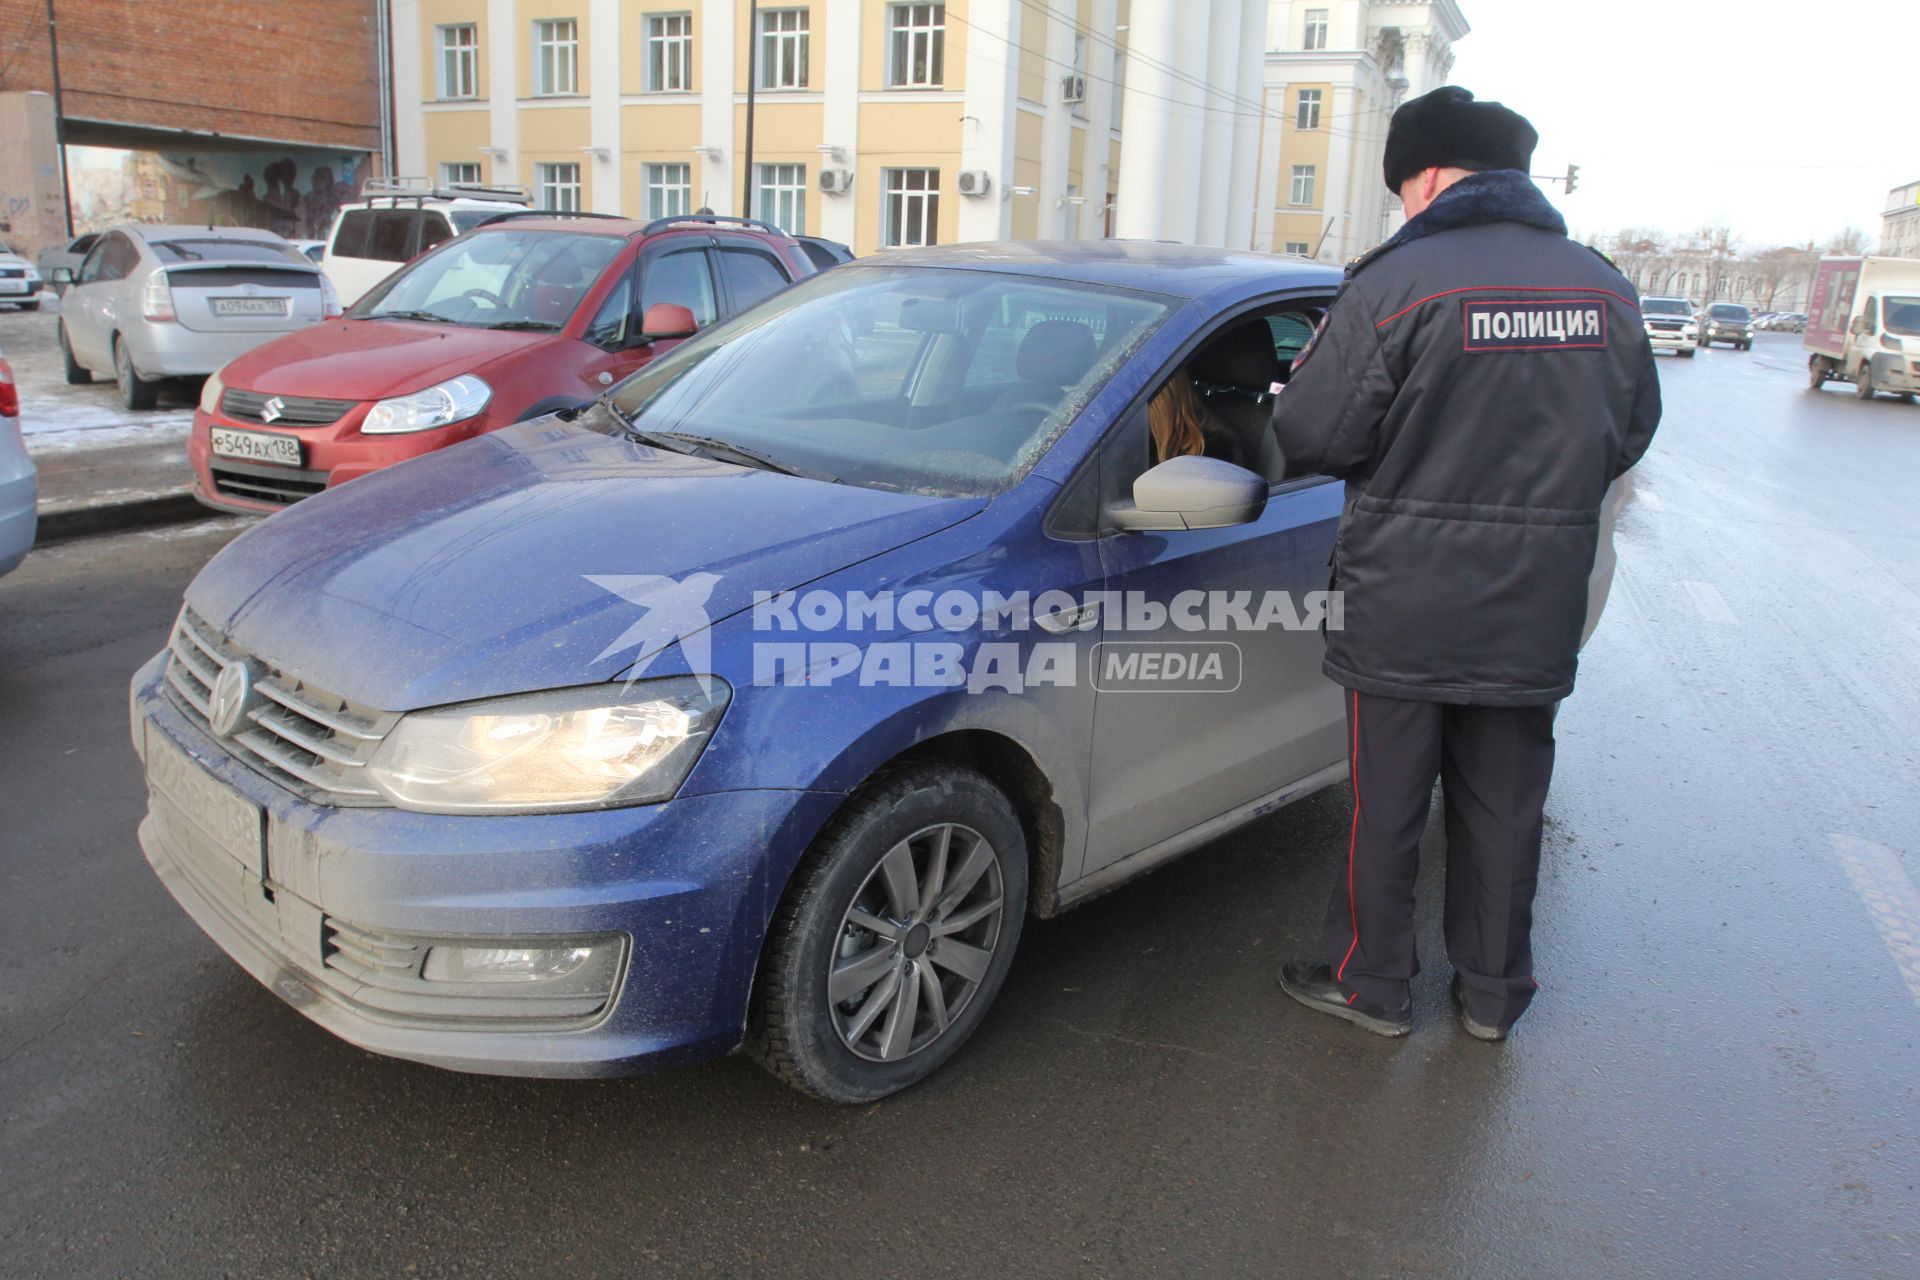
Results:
875 123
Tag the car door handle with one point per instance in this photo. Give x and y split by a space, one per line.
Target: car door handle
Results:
1084 617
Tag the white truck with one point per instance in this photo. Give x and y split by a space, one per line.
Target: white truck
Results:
1863 325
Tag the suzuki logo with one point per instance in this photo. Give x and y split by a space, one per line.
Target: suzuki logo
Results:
272 409
227 702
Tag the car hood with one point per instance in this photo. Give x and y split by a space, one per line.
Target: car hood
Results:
496 566
371 359
13 260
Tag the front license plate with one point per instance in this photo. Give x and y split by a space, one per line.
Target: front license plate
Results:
227 818
13 286
256 446
251 306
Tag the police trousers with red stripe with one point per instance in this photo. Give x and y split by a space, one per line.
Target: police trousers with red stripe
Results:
1494 764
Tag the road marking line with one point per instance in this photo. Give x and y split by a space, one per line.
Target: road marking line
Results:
1891 901
1710 604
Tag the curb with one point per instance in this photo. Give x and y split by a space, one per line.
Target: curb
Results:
173 506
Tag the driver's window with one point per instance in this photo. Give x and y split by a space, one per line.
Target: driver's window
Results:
682 276
90 269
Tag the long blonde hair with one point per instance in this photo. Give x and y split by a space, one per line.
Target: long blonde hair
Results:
1174 419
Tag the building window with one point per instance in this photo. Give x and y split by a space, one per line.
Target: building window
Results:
670 53
460 175
1316 34
1306 113
669 190
1299 248
783 197
460 61
1302 192
559 186
918 46
783 48
912 212
556 57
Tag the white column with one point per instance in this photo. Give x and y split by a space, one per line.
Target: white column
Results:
503 88
840 116
1187 129
714 180
1102 96
1336 205
409 122
603 104
986 128
1056 215
1216 152
1146 134
1245 162
1266 189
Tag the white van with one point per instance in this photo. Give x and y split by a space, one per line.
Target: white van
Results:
1863 325
401 218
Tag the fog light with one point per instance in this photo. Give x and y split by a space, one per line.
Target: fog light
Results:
584 965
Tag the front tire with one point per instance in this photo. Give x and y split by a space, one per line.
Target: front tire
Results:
29 306
894 937
78 375
136 392
1689 352
1863 381
1816 372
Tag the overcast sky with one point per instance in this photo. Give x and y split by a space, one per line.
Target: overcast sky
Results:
1816 108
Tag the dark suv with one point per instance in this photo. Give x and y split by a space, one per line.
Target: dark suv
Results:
1727 322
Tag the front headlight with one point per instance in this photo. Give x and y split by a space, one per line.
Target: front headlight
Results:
211 391
595 747
454 400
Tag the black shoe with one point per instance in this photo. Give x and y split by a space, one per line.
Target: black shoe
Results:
1312 984
1473 1026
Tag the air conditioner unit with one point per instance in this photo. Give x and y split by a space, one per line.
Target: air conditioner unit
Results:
975 182
836 182
1073 89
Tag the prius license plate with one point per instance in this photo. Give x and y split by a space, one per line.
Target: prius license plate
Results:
256 446
251 306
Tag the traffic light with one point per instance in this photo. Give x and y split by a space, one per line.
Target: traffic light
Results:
1573 173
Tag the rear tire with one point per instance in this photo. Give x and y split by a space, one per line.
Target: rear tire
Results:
1816 372
78 375
136 392
908 910
1863 381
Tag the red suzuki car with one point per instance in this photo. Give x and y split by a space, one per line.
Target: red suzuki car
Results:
516 318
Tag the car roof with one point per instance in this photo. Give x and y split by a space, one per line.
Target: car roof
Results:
187 231
1180 270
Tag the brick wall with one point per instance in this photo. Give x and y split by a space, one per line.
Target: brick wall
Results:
291 70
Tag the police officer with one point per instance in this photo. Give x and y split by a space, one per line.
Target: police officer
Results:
1479 381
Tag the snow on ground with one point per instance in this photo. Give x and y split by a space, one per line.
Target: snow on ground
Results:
58 417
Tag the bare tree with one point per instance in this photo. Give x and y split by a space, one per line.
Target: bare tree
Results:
1850 241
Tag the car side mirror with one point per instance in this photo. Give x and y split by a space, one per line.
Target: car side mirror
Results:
667 320
61 275
1193 492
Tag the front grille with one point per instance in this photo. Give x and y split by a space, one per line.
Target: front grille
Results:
284 485
295 411
314 743
1667 326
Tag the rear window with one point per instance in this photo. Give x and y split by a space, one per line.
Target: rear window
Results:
384 235
211 250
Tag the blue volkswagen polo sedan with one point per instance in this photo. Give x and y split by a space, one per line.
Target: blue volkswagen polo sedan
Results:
759 702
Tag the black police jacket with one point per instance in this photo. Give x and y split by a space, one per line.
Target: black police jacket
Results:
1479 381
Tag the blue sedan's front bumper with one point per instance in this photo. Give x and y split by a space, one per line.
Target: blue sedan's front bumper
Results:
690 884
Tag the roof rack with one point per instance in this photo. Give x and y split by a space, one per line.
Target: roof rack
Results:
427 189
661 224
510 215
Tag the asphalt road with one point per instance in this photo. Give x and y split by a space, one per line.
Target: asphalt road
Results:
1718 1079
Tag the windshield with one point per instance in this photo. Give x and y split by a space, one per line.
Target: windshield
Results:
913 379
495 279
1665 307
1729 311
1901 315
214 250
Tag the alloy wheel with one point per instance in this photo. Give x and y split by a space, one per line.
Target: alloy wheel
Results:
916 942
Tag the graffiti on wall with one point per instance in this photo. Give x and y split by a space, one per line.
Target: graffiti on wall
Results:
292 195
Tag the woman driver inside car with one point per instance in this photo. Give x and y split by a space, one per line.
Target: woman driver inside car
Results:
1180 425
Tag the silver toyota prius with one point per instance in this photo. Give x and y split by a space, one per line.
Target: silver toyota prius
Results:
151 303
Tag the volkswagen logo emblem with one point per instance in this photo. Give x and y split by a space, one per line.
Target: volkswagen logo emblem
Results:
272 409
230 700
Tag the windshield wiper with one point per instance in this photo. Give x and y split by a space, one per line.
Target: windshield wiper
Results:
723 451
409 315
524 324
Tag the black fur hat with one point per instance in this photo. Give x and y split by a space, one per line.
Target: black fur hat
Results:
1447 129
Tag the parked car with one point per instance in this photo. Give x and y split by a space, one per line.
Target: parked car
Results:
1670 324
19 281
538 798
523 316
314 250
1791 322
152 303
826 254
400 219
1727 322
69 255
19 481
